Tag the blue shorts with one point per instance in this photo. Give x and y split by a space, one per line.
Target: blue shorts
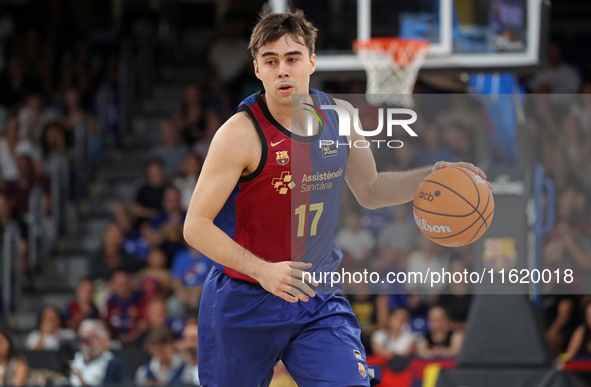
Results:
245 330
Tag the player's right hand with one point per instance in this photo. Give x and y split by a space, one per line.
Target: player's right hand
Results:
284 279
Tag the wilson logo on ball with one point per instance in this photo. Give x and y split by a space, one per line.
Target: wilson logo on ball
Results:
422 223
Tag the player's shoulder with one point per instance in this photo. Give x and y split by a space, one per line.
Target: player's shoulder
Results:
344 104
236 142
237 129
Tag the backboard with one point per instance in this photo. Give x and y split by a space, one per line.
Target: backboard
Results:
465 35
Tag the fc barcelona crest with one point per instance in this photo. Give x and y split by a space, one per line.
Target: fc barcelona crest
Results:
282 157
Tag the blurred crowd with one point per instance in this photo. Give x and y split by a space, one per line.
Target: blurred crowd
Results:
143 287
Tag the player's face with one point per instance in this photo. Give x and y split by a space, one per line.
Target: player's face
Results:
284 66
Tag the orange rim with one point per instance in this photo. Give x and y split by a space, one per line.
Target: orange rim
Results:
403 50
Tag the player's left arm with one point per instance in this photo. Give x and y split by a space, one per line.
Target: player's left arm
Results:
374 190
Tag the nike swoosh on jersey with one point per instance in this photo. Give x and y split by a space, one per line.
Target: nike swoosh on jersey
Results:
274 144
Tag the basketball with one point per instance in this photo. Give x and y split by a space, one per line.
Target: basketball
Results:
453 207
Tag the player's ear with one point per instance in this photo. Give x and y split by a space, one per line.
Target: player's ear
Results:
256 69
312 63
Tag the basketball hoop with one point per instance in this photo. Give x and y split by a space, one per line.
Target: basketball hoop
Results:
392 66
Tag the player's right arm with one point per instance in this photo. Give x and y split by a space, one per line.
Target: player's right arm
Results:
235 151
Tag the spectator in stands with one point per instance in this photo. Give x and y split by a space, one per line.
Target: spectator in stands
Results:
427 255
188 349
572 209
94 364
462 112
580 342
14 370
561 314
148 200
53 144
170 149
157 318
405 157
189 271
433 148
8 216
356 242
544 116
32 53
82 307
11 147
166 367
371 310
212 124
75 117
125 310
50 332
19 190
556 163
417 307
561 78
107 100
111 257
187 178
155 280
14 88
396 340
228 60
166 229
84 66
191 117
6 31
459 142
456 297
581 108
569 247
441 341
33 117
577 147
396 240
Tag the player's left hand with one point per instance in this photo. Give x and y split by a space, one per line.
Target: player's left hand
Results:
470 166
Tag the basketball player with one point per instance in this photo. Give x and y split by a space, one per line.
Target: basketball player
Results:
251 216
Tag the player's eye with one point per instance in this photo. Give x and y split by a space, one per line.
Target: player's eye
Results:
293 60
271 62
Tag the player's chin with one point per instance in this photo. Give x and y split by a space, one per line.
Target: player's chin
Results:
284 99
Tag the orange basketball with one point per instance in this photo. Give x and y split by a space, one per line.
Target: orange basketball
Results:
453 206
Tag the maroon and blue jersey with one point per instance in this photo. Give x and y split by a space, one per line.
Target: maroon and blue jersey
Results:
287 209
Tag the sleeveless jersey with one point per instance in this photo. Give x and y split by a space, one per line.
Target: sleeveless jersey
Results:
287 209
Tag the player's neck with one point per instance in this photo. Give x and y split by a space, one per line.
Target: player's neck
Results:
281 113
292 120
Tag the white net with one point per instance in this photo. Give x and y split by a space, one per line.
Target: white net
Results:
392 66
